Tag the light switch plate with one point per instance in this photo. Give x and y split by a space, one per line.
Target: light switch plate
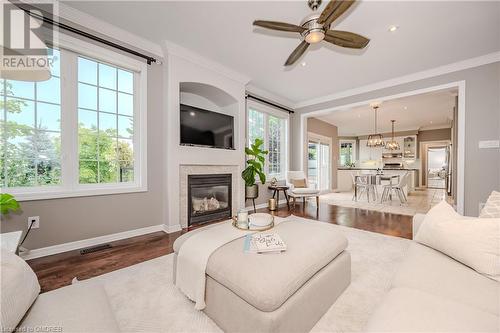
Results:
489 144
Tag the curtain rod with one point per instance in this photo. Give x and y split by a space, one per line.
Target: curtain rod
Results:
268 103
45 18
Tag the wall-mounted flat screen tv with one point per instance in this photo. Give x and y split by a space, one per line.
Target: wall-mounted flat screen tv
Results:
200 127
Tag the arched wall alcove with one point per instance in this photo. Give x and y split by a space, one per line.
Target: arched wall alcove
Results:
209 97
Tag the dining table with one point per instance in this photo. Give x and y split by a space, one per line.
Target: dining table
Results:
375 180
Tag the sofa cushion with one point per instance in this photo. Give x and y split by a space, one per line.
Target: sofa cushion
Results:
305 190
431 271
299 183
266 281
19 288
410 310
473 242
81 307
492 207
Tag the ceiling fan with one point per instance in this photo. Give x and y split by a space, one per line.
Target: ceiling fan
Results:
316 27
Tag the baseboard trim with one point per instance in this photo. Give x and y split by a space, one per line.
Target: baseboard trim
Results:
262 205
70 246
172 228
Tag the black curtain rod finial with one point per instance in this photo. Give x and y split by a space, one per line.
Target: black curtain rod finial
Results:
247 95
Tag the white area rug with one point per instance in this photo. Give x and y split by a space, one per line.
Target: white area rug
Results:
145 300
418 202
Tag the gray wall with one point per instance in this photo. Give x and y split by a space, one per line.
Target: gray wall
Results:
434 135
482 122
72 219
325 129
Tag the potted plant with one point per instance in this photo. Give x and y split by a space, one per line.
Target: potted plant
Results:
256 161
8 203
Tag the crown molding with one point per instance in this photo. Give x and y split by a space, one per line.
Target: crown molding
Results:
174 49
437 71
278 99
90 22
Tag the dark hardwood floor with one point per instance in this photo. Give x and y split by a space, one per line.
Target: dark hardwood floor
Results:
59 270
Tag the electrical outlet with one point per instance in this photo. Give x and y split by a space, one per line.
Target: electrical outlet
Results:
35 220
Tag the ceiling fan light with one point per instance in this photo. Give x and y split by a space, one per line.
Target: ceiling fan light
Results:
314 36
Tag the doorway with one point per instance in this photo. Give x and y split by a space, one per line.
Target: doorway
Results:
438 172
319 163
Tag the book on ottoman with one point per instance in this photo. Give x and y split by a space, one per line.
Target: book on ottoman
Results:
264 243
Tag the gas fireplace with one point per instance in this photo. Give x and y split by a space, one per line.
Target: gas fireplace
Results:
209 198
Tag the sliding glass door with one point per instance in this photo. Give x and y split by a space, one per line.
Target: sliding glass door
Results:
319 163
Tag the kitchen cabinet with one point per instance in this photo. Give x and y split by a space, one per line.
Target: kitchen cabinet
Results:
410 147
369 154
344 180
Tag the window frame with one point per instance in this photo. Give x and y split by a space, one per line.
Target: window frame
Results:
70 185
353 142
269 111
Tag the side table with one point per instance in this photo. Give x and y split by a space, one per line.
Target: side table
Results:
276 194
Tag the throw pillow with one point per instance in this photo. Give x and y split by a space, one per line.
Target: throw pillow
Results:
299 183
492 206
19 289
472 242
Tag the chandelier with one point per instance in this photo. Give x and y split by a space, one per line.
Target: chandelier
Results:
393 144
375 140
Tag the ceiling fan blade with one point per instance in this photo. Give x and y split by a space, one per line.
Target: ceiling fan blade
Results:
346 39
297 53
333 10
279 26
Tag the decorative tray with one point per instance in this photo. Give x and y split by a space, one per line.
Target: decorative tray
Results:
267 227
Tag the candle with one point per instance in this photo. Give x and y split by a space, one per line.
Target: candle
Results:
242 218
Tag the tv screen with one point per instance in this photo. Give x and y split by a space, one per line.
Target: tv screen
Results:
201 127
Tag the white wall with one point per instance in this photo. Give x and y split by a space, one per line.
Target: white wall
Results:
182 68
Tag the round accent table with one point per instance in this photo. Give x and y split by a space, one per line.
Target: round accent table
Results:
276 193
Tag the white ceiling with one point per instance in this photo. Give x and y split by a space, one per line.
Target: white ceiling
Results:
431 34
424 111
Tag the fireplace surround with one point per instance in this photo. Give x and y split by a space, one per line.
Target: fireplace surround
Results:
209 198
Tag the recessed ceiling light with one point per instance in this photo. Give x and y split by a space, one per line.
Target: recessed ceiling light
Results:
192 114
303 64
405 107
393 28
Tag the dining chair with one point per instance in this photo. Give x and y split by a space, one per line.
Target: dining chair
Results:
396 188
361 185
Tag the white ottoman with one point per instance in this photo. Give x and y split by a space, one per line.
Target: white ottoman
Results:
286 292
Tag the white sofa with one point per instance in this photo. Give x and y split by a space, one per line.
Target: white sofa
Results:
432 292
80 307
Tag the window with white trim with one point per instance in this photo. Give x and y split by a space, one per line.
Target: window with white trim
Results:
79 133
271 127
347 152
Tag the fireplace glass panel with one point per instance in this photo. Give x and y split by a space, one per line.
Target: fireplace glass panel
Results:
209 198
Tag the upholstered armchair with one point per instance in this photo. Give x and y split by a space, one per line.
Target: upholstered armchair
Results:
299 187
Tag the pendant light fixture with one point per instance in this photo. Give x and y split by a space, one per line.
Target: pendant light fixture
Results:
393 144
375 140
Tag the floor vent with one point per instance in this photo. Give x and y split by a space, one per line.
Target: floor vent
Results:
96 248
